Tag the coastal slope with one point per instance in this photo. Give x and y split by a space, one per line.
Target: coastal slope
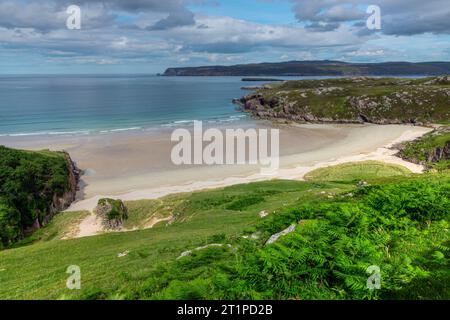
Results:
353 100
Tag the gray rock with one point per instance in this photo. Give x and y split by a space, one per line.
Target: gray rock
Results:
276 236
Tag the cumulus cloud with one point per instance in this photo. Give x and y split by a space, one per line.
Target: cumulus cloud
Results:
175 19
401 17
115 32
228 35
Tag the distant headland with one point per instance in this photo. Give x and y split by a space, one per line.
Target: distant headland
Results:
316 68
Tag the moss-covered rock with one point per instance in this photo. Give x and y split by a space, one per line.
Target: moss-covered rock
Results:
112 212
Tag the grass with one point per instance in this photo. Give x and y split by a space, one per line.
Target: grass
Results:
366 170
378 100
38 271
426 148
63 225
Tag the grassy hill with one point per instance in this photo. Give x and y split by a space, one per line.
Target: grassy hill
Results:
353 100
397 221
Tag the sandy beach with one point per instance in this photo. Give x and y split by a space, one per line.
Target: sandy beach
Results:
137 165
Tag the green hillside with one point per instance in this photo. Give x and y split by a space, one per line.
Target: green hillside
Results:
353 100
397 222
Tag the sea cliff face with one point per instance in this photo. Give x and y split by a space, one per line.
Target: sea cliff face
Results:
353 100
62 202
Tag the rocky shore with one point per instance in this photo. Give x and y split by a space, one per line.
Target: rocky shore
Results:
432 150
353 100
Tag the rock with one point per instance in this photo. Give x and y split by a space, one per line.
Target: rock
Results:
276 236
112 212
59 203
123 254
362 183
253 236
189 252
439 80
263 214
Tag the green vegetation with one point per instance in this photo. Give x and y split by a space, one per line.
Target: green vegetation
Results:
375 100
432 150
116 209
397 222
366 170
28 182
63 225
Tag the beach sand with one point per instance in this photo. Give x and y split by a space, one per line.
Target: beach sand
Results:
137 165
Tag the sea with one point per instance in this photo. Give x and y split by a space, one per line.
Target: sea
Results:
84 104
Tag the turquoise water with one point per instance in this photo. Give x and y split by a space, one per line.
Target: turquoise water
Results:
80 104
32 105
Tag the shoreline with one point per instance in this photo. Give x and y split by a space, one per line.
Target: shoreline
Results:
383 153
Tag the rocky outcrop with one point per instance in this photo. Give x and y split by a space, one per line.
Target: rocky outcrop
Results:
112 212
189 252
439 153
442 80
427 150
61 203
276 236
352 100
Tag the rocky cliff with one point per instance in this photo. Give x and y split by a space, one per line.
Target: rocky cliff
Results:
431 150
62 202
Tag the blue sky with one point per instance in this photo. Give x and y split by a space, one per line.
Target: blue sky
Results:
147 36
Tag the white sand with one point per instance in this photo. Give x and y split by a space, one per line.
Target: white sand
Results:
90 226
374 144
137 166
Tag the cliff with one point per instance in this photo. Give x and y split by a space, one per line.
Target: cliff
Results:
62 202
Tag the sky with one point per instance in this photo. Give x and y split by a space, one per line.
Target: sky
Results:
148 36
